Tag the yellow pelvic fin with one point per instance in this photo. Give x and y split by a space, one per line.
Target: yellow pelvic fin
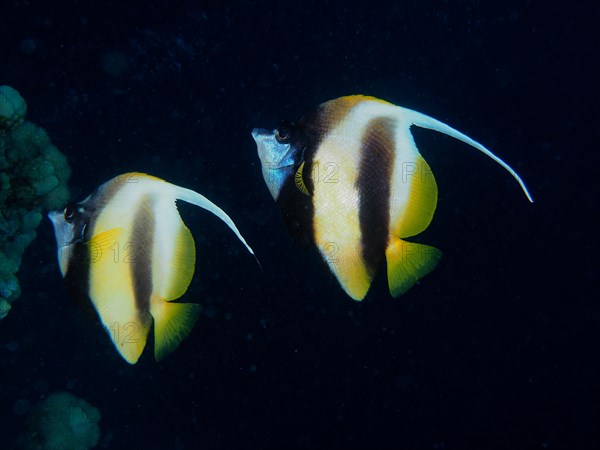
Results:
349 269
172 323
358 286
299 179
407 262
181 265
129 337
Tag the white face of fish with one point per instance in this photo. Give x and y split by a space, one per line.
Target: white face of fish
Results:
63 230
67 232
277 159
69 228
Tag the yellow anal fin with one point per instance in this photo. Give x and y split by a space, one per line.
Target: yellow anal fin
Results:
181 265
172 323
299 179
407 262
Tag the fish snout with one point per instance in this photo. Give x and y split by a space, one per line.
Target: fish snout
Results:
260 134
55 216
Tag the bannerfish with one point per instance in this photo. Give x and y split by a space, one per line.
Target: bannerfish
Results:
126 248
348 178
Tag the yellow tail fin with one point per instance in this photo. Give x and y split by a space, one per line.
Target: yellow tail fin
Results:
172 323
407 262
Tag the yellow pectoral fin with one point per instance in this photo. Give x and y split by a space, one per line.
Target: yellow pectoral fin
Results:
172 323
299 180
101 243
407 262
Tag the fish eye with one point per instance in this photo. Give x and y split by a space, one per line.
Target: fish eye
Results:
70 214
283 134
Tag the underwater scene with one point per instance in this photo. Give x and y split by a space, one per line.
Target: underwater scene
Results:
316 225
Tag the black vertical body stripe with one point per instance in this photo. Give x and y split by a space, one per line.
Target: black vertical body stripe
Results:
297 208
77 278
374 187
139 253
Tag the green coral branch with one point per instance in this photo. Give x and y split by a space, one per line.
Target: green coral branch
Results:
33 177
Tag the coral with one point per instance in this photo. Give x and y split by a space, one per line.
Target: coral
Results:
12 107
33 177
62 422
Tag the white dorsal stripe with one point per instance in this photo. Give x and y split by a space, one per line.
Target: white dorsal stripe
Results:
187 195
425 121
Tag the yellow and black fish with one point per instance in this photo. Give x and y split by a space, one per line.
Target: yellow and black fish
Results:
349 178
127 249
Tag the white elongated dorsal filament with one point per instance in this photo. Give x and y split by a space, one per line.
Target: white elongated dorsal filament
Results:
189 196
424 121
